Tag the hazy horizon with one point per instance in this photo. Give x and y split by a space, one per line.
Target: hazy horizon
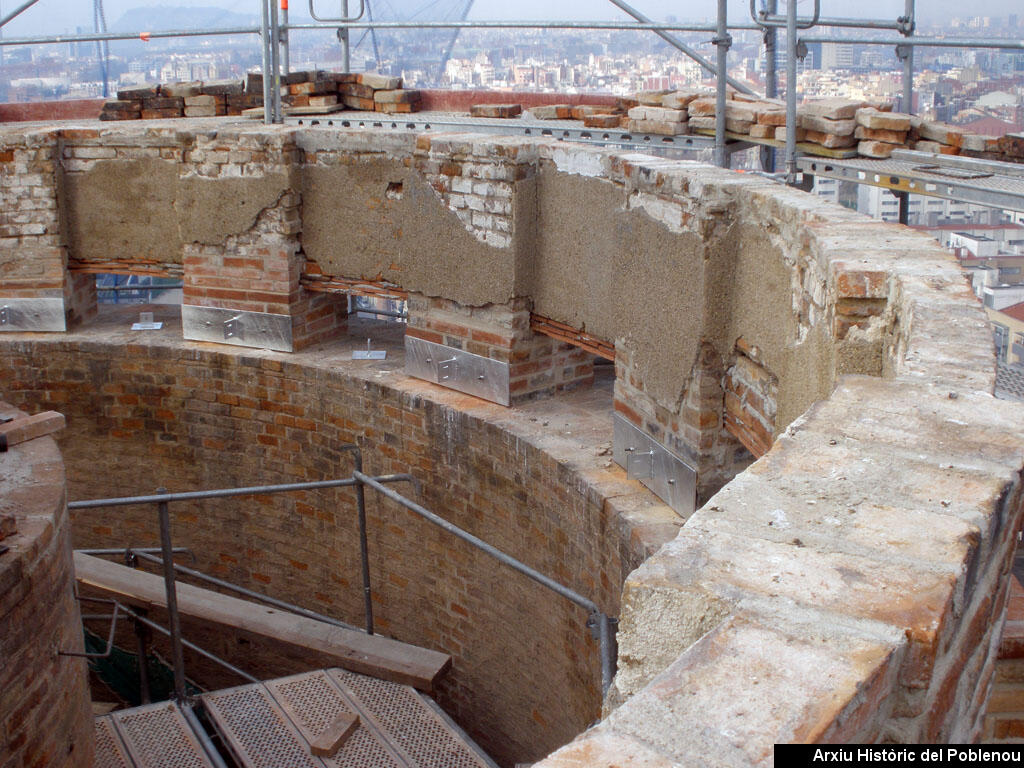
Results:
60 16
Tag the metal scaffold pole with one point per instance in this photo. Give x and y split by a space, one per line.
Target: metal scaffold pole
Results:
722 43
771 77
791 91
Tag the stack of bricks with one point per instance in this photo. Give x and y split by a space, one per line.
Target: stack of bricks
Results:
538 365
769 121
594 116
939 138
742 114
830 123
604 116
151 102
658 120
372 92
299 91
879 133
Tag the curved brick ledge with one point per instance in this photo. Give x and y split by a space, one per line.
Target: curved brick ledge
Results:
45 717
849 585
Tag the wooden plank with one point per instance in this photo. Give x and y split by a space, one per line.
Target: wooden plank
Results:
575 336
25 428
367 654
336 734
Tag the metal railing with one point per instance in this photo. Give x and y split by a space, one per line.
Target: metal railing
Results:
602 624
274 31
273 34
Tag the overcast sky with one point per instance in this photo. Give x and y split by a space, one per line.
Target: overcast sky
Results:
56 16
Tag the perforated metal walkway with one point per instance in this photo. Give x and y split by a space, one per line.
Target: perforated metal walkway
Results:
152 736
272 724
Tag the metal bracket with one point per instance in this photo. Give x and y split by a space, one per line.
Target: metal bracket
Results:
40 314
904 51
655 466
241 328
453 368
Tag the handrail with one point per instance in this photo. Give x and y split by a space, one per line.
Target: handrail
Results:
362 10
251 490
599 621
243 591
604 622
766 20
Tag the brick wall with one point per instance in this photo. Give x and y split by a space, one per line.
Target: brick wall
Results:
1004 721
33 259
538 365
526 673
751 392
45 716
857 571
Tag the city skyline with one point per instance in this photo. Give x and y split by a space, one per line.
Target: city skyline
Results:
59 16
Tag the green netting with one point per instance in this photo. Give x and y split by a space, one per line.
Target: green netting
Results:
120 672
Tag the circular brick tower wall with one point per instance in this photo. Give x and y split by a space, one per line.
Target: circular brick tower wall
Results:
526 671
44 697
848 585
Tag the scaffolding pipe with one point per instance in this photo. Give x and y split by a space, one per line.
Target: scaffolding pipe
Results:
203 736
722 41
771 79
275 63
344 13
920 42
142 652
599 25
343 34
364 552
767 19
247 592
221 493
680 45
266 59
791 91
177 656
603 621
285 53
643 26
91 37
191 646
17 11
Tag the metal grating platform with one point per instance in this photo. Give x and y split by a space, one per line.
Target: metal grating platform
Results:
153 736
566 130
271 724
996 184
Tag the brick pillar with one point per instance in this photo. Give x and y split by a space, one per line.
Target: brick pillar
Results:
245 290
533 364
694 427
37 293
750 399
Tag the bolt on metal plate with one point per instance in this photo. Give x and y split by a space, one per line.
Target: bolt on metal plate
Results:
655 466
